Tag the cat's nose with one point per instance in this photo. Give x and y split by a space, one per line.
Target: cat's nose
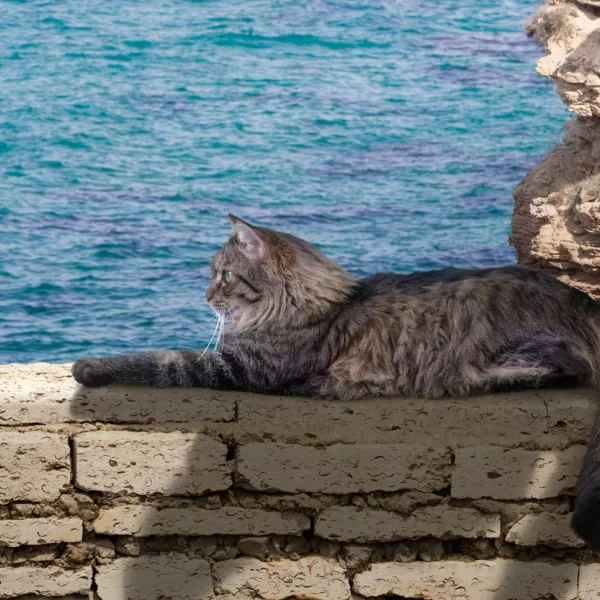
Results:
210 292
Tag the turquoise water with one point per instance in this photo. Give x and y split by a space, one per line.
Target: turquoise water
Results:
391 133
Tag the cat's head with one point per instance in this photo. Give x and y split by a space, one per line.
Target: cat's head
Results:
261 276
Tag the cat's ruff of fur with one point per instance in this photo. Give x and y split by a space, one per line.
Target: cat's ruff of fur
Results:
300 324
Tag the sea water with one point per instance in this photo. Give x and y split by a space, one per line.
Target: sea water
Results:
389 133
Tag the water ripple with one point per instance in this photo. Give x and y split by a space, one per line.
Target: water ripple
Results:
391 133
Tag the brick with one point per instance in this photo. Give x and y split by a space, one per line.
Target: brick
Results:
313 578
233 520
172 576
69 597
571 416
33 466
44 581
589 582
479 580
544 529
34 554
151 463
47 394
350 524
504 474
508 420
35 532
341 469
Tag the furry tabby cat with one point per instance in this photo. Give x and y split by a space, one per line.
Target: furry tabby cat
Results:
300 324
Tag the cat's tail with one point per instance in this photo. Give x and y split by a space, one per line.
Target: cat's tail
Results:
586 518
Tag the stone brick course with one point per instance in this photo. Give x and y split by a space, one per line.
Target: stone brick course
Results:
350 524
480 580
34 532
44 581
343 468
232 520
314 577
166 576
506 474
151 463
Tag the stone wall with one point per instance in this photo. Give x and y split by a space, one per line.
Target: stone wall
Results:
130 492
556 223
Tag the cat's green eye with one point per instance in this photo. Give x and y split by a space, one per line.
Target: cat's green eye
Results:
227 275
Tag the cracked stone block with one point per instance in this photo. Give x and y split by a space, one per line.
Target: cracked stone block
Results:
544 529
147 520
311 578
34 465
479 580
172 576
589 582
34 532
151 463
349 524
44 581
343 468
505 474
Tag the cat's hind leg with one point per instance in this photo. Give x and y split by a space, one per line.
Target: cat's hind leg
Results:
535 360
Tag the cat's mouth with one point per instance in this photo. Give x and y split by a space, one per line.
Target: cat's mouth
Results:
225 313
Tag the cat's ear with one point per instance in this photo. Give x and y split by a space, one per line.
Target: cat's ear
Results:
253 244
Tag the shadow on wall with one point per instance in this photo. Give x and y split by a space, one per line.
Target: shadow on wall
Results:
156 455
170 450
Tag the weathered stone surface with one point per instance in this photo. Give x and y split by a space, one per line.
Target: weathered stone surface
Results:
480 580
34 532
172 576
258 547
505 474
33 465
151 463
544 529
589 582
349 524
69 597
501 419
341 468
310 578
44 393
571 35
571 414
33 554
44 581
147 520
290 445
555 223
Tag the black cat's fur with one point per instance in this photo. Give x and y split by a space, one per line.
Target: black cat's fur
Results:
300 324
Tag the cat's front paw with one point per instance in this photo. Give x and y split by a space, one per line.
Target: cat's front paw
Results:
91 372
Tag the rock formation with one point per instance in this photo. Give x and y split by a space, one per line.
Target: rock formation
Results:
556 222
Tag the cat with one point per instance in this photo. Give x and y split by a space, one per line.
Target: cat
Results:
299 324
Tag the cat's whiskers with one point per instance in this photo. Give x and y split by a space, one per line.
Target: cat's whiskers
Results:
220 312
220 335
218 325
